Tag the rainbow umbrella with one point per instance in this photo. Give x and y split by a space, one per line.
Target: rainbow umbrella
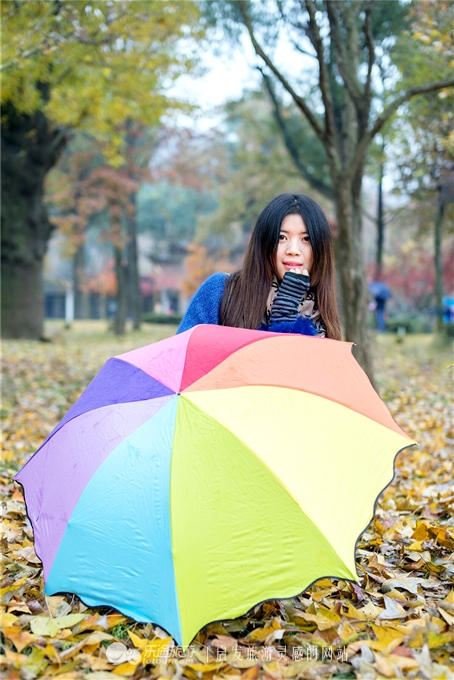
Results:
203 474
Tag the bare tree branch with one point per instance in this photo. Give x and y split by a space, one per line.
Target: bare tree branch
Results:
317 184
60 138
299 27
387 114
296 24
347 74
299 101
387 220
300 49
317 42
371 49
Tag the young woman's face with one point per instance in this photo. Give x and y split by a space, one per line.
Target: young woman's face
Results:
294 250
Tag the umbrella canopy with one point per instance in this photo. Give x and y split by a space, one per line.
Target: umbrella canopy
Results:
208 472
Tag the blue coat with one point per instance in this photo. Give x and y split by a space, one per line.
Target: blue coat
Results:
206 304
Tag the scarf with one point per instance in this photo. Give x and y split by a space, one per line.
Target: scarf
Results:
306 307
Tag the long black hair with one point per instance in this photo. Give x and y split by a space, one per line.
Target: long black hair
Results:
246 292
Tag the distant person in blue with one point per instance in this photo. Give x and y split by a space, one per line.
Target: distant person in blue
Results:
381 294
287 282
448 309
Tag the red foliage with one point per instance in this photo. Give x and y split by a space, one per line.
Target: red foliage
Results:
411 274
105 282
199 265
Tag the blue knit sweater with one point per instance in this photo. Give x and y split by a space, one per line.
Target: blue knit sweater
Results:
206 304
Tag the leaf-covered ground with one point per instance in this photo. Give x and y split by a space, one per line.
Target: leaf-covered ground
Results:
396 623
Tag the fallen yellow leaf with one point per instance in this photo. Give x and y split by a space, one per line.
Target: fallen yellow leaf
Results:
8 620
19 638
19 607
421 532
14 586
387 639
96 663
260 634
138 642
205 667
15 658
93 621
57 605
404 663
448 617
435 640
43 625
353 613
251 673
384 666
416 546
115 619
51 653
449 597
345 631
35 663
125 669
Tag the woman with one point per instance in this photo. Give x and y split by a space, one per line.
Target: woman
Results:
287 281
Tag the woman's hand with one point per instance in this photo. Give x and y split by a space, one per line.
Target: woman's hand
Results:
300 270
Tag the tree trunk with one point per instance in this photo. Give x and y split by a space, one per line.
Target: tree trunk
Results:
352 271
380 228
438 260
122 293
135 297
22 299
352 262
102 305
81 306
30 147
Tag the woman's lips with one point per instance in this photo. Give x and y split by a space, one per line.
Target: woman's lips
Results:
292 265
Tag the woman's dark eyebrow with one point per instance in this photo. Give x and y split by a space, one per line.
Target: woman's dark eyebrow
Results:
285 231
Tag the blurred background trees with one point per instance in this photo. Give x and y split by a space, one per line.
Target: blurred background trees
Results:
92 66
143 207
423 149
337 51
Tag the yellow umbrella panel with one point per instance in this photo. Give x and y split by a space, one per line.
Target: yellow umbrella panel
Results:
270 489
